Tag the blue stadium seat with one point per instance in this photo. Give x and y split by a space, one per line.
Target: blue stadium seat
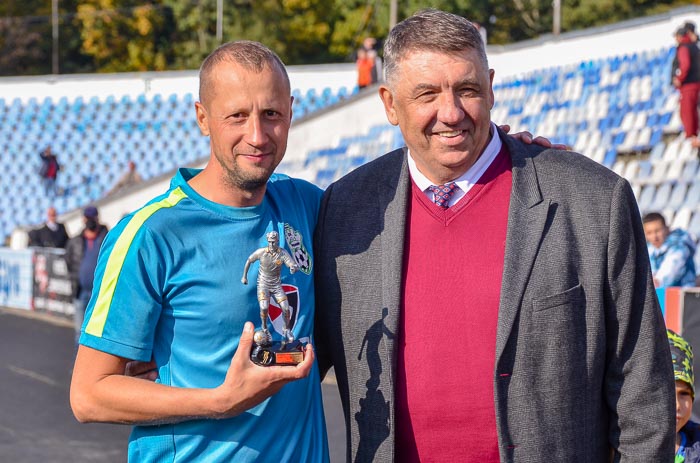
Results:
646 197
691 198
690 170
662 197
678 195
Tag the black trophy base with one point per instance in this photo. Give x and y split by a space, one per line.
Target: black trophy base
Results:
275 354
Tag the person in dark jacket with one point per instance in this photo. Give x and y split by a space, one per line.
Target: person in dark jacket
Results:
686 78
52 235
687 432
81 259
49 171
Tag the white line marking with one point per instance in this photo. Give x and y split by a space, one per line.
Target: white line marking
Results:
33 375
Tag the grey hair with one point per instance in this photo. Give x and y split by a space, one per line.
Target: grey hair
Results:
251 55
430 30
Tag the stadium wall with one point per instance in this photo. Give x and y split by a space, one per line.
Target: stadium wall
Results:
166 83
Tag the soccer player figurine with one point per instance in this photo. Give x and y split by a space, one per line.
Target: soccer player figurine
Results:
271 258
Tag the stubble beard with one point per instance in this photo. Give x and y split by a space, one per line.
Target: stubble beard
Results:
238 180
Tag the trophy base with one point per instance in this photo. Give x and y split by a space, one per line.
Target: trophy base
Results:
275 354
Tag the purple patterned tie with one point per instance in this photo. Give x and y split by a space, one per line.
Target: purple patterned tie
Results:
443 193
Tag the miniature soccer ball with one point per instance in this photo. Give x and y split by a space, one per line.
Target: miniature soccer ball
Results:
262 338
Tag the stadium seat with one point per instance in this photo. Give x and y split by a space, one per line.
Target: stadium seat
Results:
661 198
597 154
690 170
646 197
678 195
631 170
692 196
619 168
694 226
658 172
682 218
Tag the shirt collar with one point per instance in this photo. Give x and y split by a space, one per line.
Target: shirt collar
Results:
472 175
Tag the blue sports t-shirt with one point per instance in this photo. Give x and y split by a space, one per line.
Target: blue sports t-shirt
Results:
168 287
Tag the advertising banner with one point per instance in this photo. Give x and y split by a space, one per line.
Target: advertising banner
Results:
16 278
52 286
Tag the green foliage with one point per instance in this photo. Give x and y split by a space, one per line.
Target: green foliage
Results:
195 35
20 47
297 30
23 49
582 13
126 36
355 21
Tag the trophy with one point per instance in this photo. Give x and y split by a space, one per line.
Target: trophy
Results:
265 351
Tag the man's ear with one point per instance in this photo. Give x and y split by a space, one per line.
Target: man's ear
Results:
202 118
388 99
492 98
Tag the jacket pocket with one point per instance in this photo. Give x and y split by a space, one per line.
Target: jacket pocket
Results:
572 296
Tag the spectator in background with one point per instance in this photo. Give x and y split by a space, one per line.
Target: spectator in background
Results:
130 178
494 286
671 252
81 260
688 28
51 235
686 79
49 171
364 68
687 431
370 46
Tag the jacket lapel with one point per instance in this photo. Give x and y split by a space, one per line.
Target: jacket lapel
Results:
392 200
527 216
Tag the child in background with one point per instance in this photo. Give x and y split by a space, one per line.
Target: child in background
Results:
687 432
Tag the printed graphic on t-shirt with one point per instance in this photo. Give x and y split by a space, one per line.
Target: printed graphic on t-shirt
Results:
299 253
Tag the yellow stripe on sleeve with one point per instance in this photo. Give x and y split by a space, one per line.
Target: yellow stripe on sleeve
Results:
115 262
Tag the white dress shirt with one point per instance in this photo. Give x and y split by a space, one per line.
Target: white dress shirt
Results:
467 180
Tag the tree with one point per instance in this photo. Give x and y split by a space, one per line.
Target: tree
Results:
195 35
20 48
355 21
302 28
23 26
125 36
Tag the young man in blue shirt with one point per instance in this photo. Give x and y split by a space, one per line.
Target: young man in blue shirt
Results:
166 289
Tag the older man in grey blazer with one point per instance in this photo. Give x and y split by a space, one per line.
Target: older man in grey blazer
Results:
482 299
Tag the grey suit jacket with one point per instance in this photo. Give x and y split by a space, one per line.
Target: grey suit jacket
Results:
582 371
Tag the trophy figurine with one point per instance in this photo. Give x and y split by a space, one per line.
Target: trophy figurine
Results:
272 258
